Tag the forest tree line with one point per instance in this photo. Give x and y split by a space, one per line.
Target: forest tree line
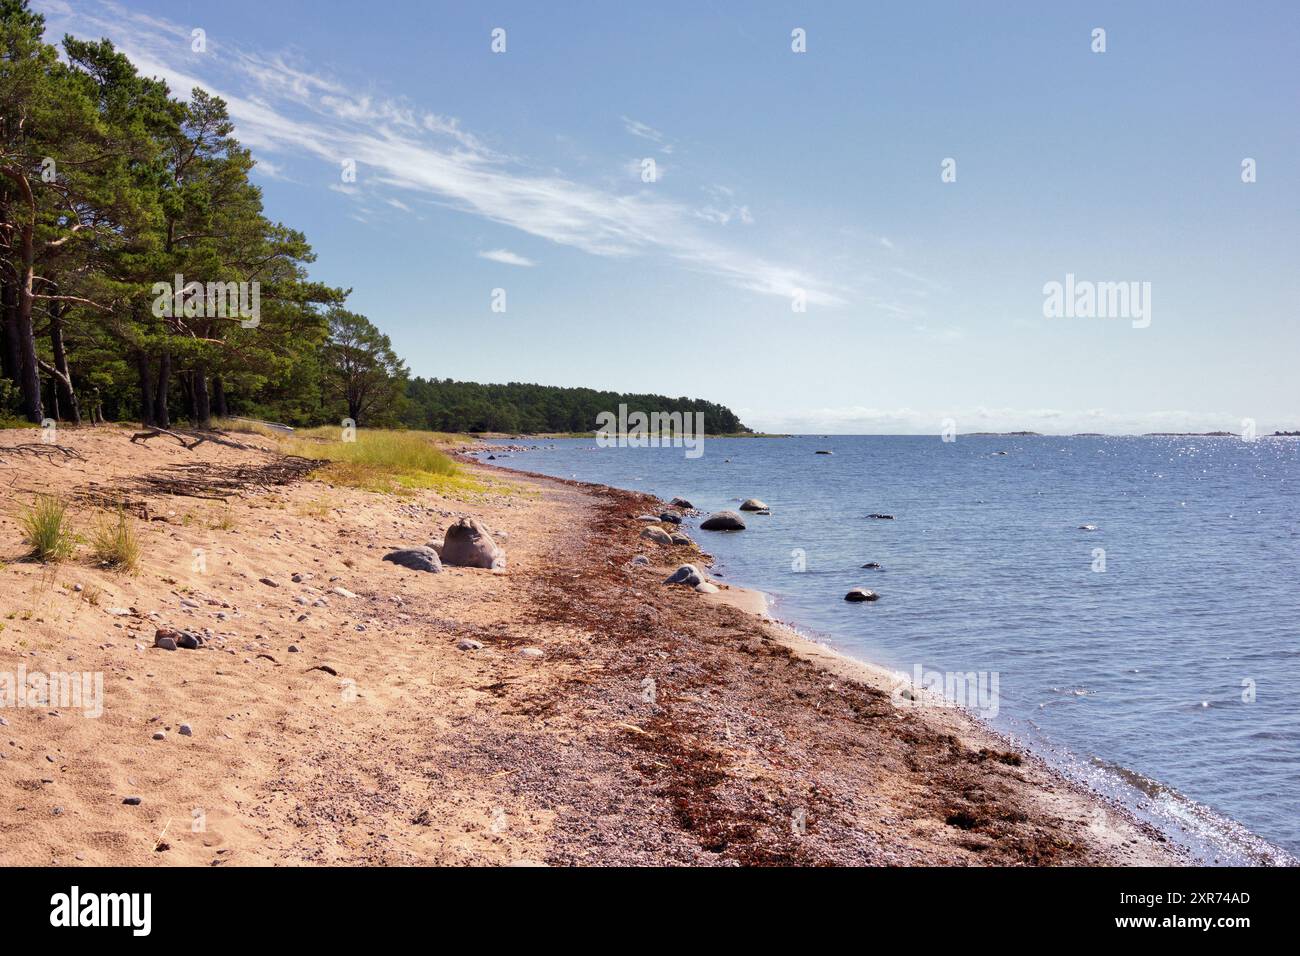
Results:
140 279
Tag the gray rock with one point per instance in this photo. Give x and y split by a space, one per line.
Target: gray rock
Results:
682 503
165 642
680 539
873 566
185 730
417 559
531 652
189 641
707 587
1087 527
293 649
640 560
467 644
131 801
879 516
820 452
723 521
647 518
687 574
753 504
467 544
670 518
657 535
270 582
861 594
160 735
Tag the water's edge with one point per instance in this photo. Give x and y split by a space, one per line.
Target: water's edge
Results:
1207 836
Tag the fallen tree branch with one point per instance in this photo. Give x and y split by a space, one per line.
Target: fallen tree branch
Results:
155 432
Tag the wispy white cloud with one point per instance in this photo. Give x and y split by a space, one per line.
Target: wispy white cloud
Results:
289 112
506 257
643 131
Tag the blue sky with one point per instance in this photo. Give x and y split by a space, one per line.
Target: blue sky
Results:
782 174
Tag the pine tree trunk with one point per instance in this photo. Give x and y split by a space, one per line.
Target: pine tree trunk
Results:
146 389
161 416
202 399
29 380
63 380
9 360
219 397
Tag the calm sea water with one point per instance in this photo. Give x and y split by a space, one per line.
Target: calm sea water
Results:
1138 678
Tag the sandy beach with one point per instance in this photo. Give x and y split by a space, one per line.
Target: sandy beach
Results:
606 718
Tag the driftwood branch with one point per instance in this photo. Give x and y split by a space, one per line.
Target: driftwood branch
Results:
155 432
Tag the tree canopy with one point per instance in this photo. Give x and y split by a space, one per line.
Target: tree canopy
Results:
140 278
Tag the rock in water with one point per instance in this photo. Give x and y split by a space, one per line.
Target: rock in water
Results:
873 565
417 559
670 517
723 521
753 504
686 574
861 594
467 544
881 517
657 535
682 503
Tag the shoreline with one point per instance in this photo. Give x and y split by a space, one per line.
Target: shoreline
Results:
1200 834
568 709
1112 825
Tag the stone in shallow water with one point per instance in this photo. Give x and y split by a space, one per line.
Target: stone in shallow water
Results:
753 504
723 521
862 594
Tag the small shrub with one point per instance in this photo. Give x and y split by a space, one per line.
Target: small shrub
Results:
45 529
114 543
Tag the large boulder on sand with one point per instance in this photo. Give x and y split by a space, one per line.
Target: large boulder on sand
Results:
753 504
467 544
417 559
723 521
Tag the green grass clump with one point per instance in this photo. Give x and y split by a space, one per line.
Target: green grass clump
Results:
114 544
378 460
46 530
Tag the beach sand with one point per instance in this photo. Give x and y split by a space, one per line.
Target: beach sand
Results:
658 726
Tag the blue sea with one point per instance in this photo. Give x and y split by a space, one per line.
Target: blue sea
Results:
1155 657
